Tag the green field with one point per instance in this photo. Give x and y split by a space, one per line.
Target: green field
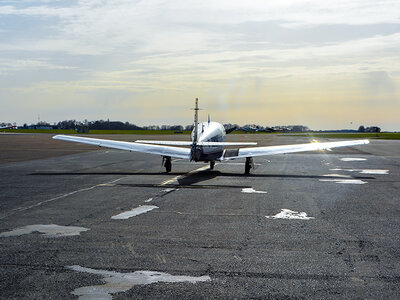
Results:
381 135
137 132
71 131
54 131
255 132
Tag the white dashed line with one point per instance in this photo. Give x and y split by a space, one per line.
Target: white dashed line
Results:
175 179
365 171
352 159
16 210
375 172
337 175
252 191
345 181
134 212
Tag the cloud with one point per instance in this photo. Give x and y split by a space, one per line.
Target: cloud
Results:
231 51
155 25
380 89
26 64
379 82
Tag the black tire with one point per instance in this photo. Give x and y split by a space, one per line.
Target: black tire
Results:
212 164
247 169
248 165
168 166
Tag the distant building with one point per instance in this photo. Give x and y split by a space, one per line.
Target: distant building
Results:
152 127
291 128
298 128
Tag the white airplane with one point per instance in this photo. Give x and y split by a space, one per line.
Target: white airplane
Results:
207 145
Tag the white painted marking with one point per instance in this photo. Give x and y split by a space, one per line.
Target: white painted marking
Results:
290 214
134 212
240 164
15 210
345 181
170 181
121 282
375 172
168 190
365 171
337 175
148 200
252 191
50 230
352 159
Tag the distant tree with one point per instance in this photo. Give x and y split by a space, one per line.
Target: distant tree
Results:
67 124
189 127
112 125
151 127
42 123
361 129
176 127
373 129
229 126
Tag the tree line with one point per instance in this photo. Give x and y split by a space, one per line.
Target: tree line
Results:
105 125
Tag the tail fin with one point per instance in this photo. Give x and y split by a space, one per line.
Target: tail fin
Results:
196 121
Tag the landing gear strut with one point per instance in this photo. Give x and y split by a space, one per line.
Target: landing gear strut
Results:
166 162
212 164
249 165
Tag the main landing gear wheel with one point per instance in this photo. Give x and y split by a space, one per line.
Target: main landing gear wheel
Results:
249 165
167 163
212 164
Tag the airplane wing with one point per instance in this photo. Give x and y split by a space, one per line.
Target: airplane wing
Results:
183 143
271 150
129 146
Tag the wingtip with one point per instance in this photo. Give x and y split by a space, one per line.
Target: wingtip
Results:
57 137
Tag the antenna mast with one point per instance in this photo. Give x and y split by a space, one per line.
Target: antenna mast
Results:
196 121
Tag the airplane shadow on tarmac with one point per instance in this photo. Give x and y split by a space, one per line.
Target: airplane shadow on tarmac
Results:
192 180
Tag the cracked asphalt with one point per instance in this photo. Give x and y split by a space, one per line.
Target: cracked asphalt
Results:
204 224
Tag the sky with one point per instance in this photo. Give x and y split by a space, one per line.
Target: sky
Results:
322 64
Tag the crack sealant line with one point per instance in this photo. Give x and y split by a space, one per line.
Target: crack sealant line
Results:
169 181
19 209
206 215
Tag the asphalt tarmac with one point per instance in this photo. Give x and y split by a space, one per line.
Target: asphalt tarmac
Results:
111 224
